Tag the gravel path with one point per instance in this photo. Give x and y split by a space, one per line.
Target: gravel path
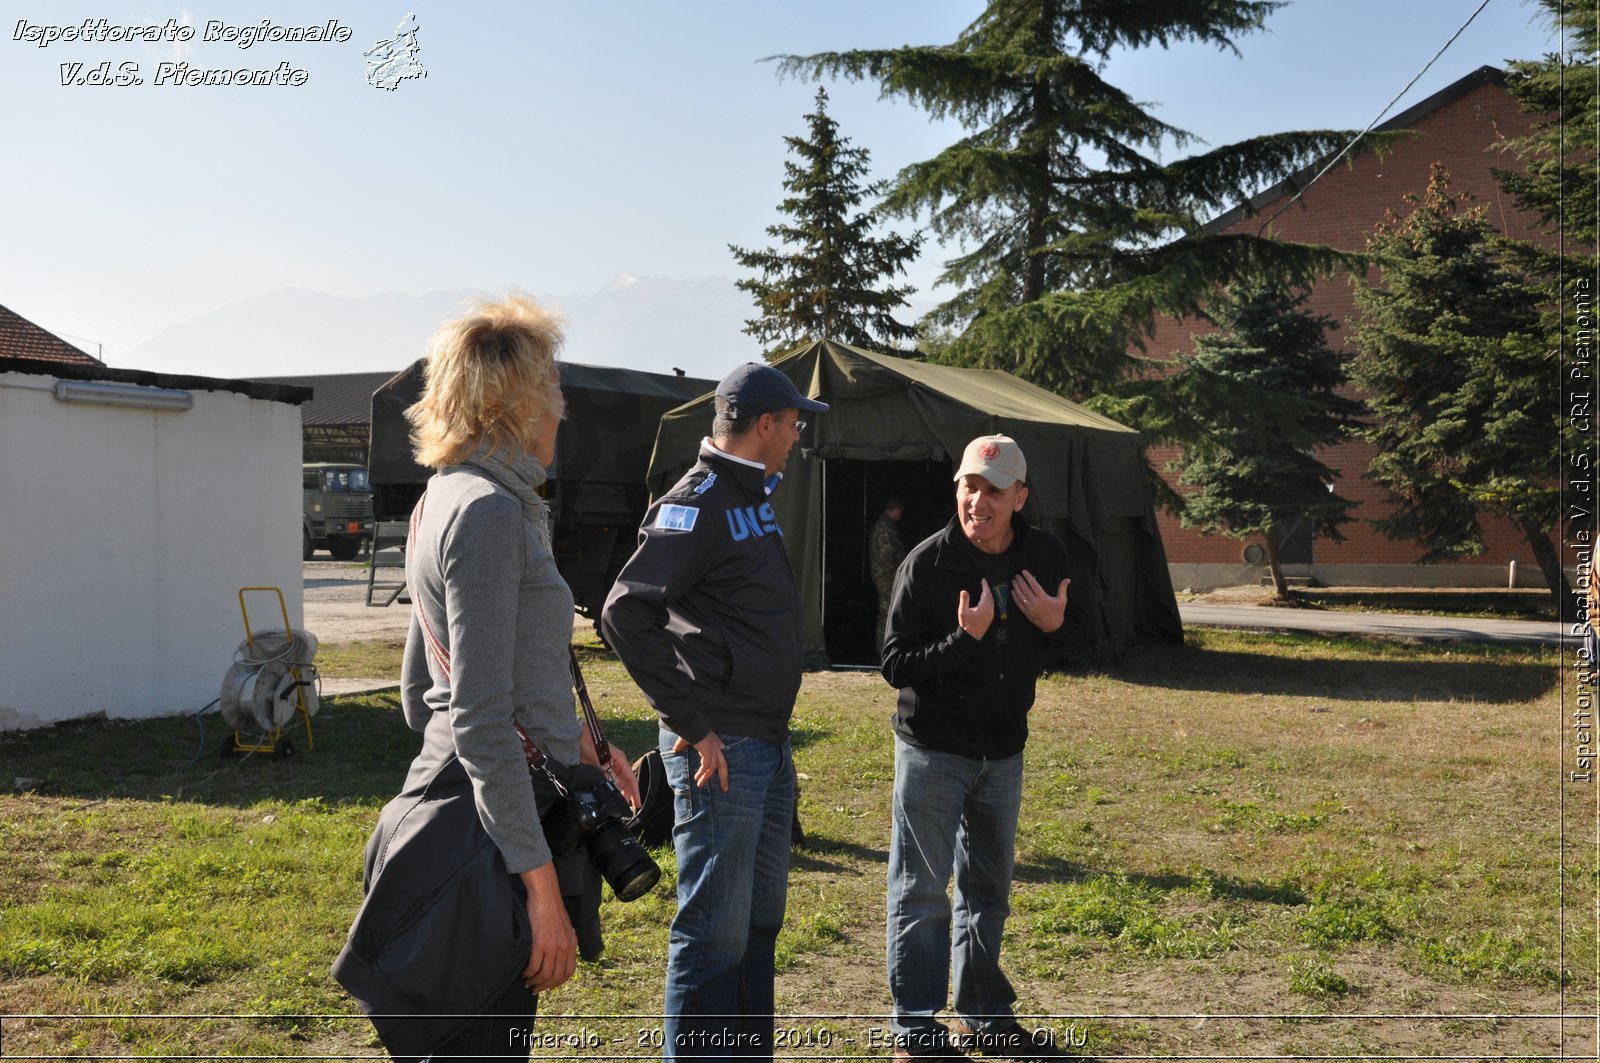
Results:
336 605
336 610
1391 625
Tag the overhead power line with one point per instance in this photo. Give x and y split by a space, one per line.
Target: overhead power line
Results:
1386 108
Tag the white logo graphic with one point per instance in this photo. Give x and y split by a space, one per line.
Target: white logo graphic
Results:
393 61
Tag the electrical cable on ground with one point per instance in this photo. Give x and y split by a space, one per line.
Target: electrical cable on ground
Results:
199 718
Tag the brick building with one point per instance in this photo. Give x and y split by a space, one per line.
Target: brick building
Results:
1462 127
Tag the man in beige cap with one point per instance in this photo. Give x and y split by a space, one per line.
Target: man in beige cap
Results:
976 608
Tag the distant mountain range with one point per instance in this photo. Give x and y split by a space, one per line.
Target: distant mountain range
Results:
639 322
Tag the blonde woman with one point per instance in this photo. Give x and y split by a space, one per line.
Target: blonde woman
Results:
492 621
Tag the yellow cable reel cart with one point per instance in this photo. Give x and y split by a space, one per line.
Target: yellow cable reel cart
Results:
271 681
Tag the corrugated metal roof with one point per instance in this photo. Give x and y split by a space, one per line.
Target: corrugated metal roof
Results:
21 338
337 398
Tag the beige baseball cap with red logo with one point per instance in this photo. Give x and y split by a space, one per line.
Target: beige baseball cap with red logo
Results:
997 459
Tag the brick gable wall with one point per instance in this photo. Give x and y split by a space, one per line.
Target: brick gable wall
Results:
1339 211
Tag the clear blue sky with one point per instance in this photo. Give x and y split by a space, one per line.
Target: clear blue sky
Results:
552 145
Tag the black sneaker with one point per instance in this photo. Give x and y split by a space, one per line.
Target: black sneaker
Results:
1010 1042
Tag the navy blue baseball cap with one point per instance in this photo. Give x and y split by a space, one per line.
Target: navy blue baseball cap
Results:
755 388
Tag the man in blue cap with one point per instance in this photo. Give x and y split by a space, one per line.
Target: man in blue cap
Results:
706 618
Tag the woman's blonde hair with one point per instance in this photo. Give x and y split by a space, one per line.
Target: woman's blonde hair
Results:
490 375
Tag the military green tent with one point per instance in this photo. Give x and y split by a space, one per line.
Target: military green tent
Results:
893 427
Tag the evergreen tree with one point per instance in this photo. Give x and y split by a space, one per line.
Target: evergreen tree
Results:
1559 184
1257 400
826 278
1462 384
1559 181
1076 237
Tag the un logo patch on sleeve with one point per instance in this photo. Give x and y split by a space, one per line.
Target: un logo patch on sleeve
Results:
676 518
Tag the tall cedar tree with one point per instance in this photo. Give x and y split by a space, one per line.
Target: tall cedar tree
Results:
826 281
1462 384
1560 185
1075 236
1257 400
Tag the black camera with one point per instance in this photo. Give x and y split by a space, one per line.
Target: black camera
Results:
589 810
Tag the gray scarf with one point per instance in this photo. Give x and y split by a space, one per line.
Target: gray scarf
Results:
518 472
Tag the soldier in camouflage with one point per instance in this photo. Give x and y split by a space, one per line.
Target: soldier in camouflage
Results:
886 551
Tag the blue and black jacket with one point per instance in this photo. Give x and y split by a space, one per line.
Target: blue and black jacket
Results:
705 615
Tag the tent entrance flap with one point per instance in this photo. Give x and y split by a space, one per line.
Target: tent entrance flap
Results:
853 494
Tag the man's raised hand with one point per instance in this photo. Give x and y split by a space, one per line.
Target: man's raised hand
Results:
975 619
1047 612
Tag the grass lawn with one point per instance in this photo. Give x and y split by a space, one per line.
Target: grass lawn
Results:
1252 846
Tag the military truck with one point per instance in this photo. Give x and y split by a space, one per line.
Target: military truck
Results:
596 489
336 509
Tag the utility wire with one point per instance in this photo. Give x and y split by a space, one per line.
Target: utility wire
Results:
1386 107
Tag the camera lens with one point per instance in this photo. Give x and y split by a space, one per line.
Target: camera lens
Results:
623 863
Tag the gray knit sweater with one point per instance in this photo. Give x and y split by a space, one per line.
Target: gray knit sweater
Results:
482 573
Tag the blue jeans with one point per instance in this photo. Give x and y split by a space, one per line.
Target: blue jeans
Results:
733 881
950 813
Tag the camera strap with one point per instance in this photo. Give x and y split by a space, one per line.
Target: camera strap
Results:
441 657
602 748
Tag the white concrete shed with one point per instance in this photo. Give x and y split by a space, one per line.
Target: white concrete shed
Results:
133 507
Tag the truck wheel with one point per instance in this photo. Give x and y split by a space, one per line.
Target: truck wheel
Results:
344 549
305 545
